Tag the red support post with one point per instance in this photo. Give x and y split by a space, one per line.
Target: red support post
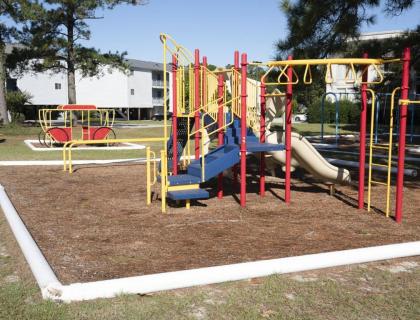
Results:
288 133
243 127
197 102
401 141
262 140
204 82
174 117
362 138
220 141
237 68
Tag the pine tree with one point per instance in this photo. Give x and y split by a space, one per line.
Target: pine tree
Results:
54 41
320 28
16 12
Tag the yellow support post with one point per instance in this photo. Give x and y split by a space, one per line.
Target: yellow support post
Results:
387 147
148 185
163 179
372 123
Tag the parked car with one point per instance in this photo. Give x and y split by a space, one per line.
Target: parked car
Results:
300 117
159 116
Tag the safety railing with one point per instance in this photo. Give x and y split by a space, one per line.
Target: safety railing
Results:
68 147
387 147
151 175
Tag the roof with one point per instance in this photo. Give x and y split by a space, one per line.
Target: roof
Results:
145 65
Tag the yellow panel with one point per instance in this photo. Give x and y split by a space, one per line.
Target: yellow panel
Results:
183 187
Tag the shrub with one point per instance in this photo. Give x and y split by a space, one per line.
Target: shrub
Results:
348 111
16 101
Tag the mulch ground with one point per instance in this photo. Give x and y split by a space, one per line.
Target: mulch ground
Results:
95 225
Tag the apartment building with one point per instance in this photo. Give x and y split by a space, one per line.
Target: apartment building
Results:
136 94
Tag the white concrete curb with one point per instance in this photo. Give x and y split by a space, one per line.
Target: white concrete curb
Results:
126 146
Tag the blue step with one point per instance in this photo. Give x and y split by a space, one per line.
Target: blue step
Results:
188 194
215 162
183 179
263 147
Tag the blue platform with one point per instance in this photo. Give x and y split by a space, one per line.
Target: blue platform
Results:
183 179
188 194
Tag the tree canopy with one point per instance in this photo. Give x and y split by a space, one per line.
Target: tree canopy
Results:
320 28
53 40
13 14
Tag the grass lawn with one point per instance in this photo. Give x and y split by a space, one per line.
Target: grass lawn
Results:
13 147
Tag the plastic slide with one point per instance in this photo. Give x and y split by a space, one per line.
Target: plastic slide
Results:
304 155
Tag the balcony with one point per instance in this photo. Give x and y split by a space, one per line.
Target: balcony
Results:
159 83
157 101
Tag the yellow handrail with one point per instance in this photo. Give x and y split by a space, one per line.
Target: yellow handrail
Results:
149 181
67 158
408 101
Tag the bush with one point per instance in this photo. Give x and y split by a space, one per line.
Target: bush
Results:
349 111
16 101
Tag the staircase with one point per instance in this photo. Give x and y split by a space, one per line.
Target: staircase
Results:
187 186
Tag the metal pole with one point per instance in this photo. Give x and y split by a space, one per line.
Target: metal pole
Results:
243 127
362 144
237 68
288 135
262 140
378 106
401 140
174 117
220 124
204 82
197 102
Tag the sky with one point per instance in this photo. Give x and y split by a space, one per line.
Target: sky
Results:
217 28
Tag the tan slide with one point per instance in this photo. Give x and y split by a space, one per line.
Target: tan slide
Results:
304 155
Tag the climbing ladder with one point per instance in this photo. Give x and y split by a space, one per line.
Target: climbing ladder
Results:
387 147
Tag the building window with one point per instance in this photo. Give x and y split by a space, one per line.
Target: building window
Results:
11 84
132 92
57 86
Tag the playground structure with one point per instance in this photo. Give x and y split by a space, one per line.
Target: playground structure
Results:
96 124
238 111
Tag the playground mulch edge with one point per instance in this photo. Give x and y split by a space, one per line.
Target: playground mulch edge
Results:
95 225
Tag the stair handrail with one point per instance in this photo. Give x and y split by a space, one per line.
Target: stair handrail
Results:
224 126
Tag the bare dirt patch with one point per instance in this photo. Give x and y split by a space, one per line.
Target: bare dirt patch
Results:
94 224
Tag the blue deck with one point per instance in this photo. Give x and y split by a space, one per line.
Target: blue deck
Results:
188 194
263 147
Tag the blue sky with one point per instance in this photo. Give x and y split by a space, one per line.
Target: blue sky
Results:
216 27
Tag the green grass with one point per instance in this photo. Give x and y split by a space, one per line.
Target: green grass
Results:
13 147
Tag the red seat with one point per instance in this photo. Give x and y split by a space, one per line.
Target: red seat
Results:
60 135
95 133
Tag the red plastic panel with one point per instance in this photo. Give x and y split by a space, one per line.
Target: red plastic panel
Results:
61 134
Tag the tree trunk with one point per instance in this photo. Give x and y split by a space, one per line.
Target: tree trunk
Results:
71 77
71 72
4 119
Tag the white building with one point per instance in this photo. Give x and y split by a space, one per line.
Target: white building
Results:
138 94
